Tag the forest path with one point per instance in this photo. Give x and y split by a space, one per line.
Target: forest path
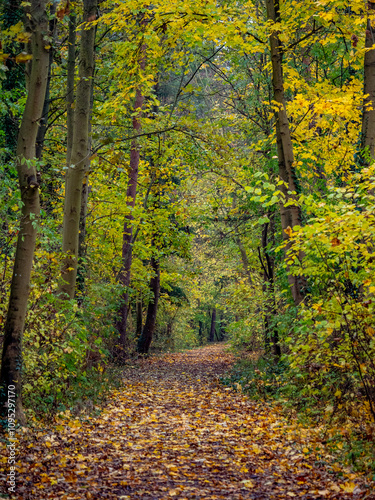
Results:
174 432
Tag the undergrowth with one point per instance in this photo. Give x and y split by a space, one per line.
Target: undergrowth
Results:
347 433
81 396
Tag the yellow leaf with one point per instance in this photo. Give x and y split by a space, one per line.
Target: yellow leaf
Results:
248 483
348 487
289 231
23 57
23 37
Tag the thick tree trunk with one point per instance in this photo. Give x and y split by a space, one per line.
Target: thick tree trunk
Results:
145 339
213 326
76 169
131 193
11 366
291 214
368 117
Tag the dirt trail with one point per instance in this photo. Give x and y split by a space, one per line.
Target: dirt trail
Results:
174 432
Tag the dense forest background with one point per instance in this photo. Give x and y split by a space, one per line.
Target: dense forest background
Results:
180 173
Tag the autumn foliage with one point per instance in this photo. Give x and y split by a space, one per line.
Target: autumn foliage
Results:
176 174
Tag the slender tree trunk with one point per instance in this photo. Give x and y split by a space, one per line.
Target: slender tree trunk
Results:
139 312
223 324
268 264
82 248
131 193
43 124
145 339
245 260
200 331
291 214
11 366
367 154
169 330
76 170
70 94
213 325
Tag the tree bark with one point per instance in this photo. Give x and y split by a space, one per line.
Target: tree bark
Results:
291 214
271 334
131 193
70 94
139 312
367 153
245 260
200 331
82 248
213 325
145 339
76 169
43 124
11 366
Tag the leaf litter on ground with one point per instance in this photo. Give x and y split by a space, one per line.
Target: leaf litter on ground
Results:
173 431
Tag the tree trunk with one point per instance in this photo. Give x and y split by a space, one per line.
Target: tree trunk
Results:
145 339
82 248
139 312
76 169
43 123
213 326
200 331
271 334
245 260
291 214
223 324
131 193
70 95
367 153
11 366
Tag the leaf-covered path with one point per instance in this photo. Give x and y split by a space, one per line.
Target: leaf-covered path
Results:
173 431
